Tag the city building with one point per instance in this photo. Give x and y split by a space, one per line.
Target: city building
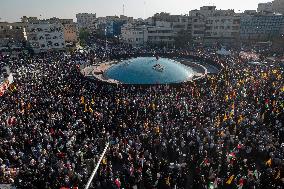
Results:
160 35
70 31
215 21
45 35
86 21
113 27
134 35
265 7
276 6
261 27
222 29
11 35
150 35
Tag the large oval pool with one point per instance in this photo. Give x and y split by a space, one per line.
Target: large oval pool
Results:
148 70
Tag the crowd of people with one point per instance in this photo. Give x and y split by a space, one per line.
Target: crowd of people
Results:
223 131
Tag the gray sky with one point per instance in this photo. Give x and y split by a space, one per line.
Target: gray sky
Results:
13 10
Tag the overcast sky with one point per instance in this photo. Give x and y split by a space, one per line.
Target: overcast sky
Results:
13 10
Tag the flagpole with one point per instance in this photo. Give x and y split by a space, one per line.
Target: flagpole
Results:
97 167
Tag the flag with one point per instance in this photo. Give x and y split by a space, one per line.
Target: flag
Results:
269 162
82 100
240 119
231 178
104 161
232 155
29 106
168 181
86 109
158 129
91 110
225 117
205 162
117 183
93 102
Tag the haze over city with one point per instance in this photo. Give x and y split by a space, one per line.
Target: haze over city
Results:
136 8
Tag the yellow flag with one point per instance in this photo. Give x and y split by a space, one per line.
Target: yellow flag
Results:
225 117
86 109
91 110
269 162
168 181
157 129
227 97
233 106
104 161
29 106
240 119
229 181
82 100
93 102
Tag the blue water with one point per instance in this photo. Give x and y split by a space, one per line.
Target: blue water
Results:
140 71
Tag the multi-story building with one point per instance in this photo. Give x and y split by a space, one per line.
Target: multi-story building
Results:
198 27
222 29
134 35
265 7
261 27
142 35
45 35
113 27
160 35
11 35
86 21
111 24
276 6
70 31
210 23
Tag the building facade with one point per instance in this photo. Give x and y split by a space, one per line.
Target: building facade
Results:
45 35
276 6
113 28
11 35
209 25
134 35
261 27
150 35
222 29
265 7
70 31
86 21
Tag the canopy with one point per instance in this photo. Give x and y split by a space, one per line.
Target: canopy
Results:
223 52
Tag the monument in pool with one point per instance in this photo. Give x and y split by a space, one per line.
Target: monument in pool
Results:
149 70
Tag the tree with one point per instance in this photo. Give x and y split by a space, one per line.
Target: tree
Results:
183 38
83 36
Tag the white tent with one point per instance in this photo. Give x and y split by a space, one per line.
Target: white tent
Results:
223 52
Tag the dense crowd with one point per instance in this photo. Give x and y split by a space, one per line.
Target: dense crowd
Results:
223 131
